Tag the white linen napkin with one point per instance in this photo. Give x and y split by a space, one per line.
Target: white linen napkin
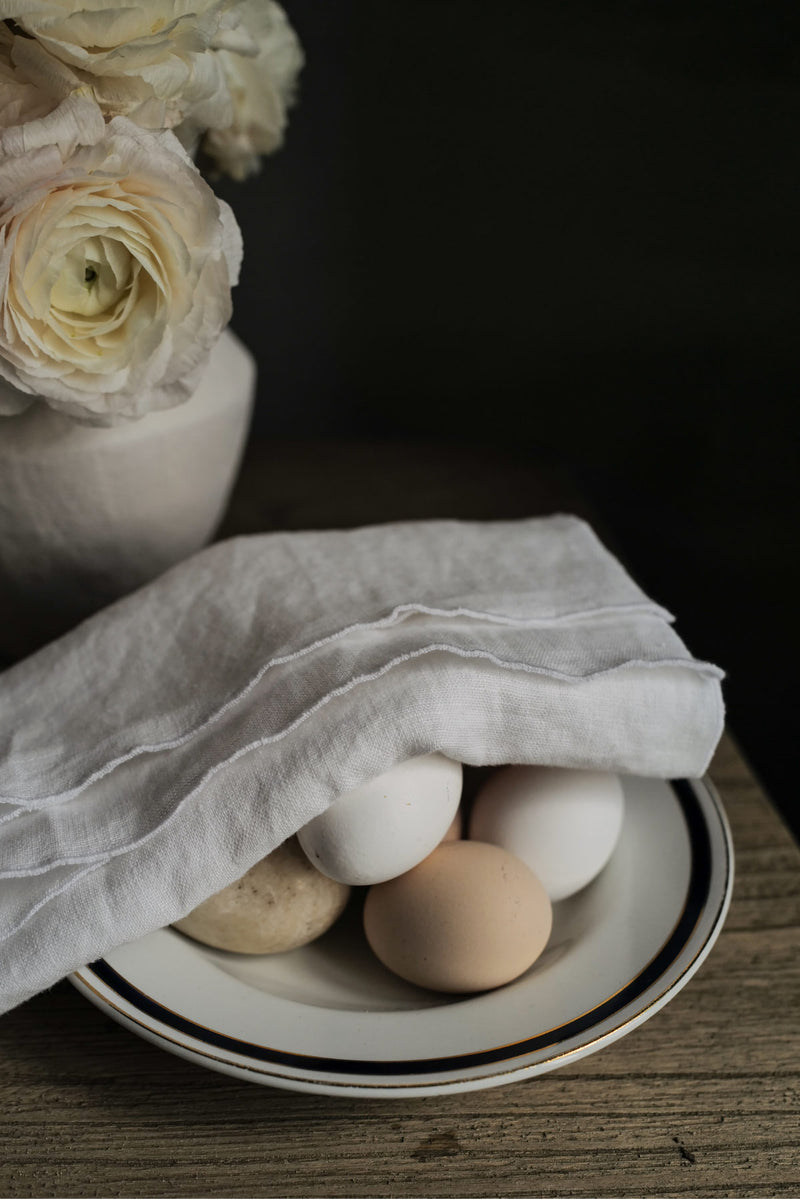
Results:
160 749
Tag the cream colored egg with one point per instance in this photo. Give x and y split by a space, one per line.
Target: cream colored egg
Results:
389 824
563 823
470 917
280 904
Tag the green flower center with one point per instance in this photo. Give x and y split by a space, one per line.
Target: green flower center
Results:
94 277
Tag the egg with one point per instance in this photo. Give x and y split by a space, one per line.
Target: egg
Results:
469 917
456 828
280 904
563 823
387 825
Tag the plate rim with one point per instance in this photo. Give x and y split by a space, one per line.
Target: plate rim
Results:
124 1002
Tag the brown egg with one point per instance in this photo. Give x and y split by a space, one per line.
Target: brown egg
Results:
281 903
470 917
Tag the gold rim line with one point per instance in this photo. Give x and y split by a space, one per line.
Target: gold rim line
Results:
638 1017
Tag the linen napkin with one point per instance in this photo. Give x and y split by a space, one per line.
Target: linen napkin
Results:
160 749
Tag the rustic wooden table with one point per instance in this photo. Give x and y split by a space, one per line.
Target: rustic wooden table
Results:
702 1100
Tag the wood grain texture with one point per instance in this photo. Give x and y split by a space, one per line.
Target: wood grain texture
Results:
702 1100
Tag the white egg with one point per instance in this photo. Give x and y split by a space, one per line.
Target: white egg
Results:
387 825
564 824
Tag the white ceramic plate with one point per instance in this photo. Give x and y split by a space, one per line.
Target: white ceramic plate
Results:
329 1018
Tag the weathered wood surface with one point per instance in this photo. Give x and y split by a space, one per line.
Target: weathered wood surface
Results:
702 1100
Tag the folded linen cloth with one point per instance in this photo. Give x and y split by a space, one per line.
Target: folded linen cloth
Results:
156 752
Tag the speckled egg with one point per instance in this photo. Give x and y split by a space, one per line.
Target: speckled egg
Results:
279 904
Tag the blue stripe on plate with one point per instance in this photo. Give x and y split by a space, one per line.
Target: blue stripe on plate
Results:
696 900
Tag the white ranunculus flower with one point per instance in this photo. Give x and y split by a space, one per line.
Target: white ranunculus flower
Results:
261 89
116 267
152 60
30 117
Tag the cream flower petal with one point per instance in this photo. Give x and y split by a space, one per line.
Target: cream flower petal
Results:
262 88
116 265
153 60
75 121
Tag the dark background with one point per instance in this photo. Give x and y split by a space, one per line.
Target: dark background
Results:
567 230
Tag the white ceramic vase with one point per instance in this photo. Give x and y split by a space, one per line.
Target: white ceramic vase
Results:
89 514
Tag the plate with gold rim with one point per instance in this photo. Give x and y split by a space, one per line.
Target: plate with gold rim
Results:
329 1018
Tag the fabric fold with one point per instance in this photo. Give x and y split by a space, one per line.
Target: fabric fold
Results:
155 753
283 594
